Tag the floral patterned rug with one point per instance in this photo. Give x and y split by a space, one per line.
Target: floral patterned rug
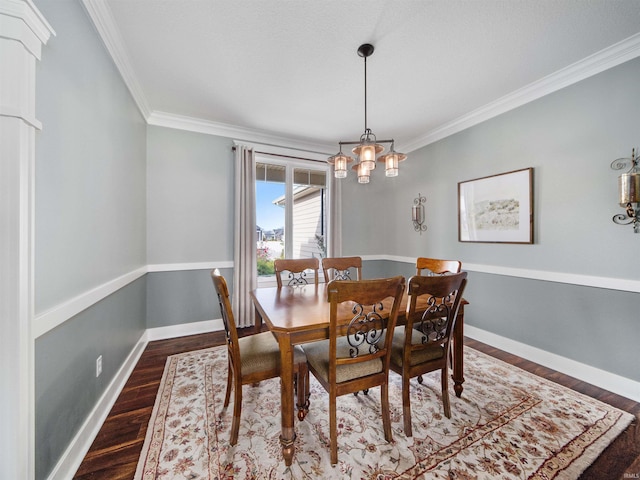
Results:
508 424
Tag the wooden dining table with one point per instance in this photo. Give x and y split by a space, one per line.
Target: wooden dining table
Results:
300 314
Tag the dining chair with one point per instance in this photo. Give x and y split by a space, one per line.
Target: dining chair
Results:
436 266
297 268
423 344
254 358
356 356
338 268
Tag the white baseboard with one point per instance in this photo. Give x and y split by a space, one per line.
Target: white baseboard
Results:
79 446
184 329
609 381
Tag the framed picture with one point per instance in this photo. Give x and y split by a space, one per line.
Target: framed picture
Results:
497 209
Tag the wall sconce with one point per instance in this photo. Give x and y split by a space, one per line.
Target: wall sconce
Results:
629 191
417 214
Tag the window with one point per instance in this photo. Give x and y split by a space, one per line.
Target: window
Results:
291 213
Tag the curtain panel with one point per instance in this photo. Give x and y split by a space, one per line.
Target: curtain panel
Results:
244 257
334 244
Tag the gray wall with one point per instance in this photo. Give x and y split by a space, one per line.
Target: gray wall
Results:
67 389
183 296
90 164
90 224
570 138
113 195
190 197
190 219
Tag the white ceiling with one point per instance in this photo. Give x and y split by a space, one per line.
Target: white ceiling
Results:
289 68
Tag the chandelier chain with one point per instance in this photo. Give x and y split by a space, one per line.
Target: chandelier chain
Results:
365 95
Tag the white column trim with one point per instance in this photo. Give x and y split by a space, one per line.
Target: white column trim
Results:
22 21
24 31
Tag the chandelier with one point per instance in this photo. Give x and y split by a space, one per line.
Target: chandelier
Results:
368 147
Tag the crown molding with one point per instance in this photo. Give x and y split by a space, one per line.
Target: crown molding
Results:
105 25
170 120
605 59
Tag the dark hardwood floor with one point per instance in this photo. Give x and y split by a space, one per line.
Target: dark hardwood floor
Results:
114 453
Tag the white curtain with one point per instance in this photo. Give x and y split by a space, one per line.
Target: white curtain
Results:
334 245
244 257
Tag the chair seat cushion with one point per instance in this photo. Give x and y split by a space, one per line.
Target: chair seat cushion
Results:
318 358
261 353
426 354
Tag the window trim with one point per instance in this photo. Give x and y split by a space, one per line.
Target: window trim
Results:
284 159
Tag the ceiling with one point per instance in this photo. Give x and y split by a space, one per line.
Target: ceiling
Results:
288 69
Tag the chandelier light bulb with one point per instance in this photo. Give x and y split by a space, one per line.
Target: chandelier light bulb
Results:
341 166
391 162
368 156
363 172
391 165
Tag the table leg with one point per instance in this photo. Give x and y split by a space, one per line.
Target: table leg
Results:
258 318
288 434
458 353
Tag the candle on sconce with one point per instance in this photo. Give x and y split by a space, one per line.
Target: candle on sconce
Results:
415 213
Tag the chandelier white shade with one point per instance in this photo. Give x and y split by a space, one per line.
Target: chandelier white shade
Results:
368 147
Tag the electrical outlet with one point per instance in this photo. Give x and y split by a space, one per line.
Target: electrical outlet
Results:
98 366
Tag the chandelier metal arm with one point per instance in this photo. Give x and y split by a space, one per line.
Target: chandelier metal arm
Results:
360 141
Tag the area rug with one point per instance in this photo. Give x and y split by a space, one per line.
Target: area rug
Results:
508 424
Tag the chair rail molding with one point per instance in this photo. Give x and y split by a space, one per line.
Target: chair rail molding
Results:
622 284
58 314
175 267
24 31
51 318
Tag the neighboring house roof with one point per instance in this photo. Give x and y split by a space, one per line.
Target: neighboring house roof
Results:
298 192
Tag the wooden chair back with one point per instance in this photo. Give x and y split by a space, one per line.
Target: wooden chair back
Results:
297 268
368 332
338 268
441 295
363 316
231 332
253 358
433 307
437 266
